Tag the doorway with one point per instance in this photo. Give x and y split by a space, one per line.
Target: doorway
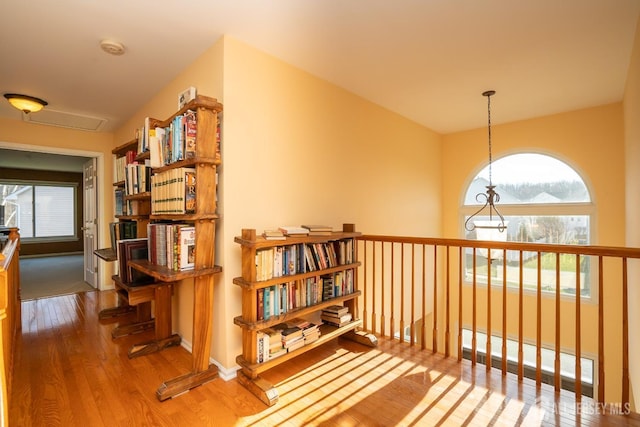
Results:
87 165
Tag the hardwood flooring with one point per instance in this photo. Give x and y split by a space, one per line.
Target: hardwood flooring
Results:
70 372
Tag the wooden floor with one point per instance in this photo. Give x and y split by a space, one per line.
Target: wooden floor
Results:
69 372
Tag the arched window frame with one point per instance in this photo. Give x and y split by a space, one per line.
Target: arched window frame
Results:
539 209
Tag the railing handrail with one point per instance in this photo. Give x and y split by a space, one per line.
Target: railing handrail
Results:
607 251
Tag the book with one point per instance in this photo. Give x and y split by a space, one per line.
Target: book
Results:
189 191
293 230
273 234
132 249
189 94
318 230
295 345
337 310
186 253
190 131
337 321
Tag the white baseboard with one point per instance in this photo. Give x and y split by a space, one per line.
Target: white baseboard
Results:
224 373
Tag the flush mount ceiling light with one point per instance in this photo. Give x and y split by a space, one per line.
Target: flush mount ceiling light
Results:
112 47
490 197
25 103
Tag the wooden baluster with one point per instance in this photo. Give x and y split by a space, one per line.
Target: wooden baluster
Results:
413 295
625 335
556 370
423 335
539 323
383 319
473 313
364 290
520 319
600 330
402 292
487 348
435 299
373 289
504 312
393 278
578 379
460 274
447 303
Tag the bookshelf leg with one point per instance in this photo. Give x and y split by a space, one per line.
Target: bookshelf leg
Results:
109 313
134 328
149 347
185 383
259 387
361 337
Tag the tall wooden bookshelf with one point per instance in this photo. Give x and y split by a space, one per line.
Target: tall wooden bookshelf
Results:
206 160
253 320
131 299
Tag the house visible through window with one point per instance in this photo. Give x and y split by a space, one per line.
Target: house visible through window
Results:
39 211
543 200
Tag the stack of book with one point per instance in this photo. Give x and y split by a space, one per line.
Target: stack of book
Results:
294 230
311 333
336 315
318 230
275 343
273 235
292 333
269 345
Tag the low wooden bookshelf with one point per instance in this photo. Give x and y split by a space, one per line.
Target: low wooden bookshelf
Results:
254 320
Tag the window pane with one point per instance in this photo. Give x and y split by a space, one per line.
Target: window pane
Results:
529 179
54 211
17 207
558 229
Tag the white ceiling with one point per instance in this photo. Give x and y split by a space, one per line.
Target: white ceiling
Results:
428 60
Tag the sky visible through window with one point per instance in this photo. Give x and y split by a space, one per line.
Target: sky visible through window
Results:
529 167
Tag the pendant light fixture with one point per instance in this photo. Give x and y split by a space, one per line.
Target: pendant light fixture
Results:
490 197
25 103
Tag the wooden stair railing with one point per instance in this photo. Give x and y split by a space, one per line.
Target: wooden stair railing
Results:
397 286
9 315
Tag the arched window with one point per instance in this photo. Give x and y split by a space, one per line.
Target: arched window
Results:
543 200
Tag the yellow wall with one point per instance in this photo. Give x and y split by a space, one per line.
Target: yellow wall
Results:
632 157
297 149
19 135
592 142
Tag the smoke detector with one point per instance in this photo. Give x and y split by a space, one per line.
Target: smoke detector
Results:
112 47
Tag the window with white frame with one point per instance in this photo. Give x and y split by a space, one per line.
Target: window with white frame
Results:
43 210
543 200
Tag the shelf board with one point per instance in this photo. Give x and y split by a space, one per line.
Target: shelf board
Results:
261 242
185 217
133 217
327 333
289 278
121 150
188 163
139 196
168 275
107 254
274 320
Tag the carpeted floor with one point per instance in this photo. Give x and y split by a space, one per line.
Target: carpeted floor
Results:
50 276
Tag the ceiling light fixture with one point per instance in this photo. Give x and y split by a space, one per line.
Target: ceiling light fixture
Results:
25 103
490 197
112 47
